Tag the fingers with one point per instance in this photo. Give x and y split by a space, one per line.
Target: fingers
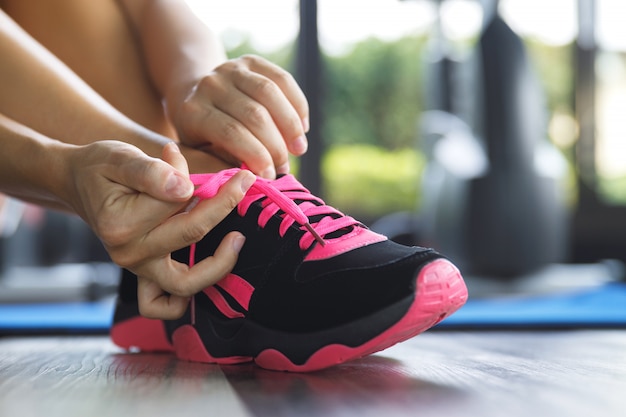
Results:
182 229
266 112
165 295
172 155
259 144
150 191
287 84
153 176
118 184
278 91
180 282
156 304
186 228
248 110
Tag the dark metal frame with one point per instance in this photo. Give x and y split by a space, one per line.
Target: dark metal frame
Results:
309 73
598 230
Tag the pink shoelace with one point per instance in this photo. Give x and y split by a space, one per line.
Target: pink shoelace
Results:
280 194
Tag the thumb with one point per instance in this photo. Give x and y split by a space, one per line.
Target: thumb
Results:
172 155
177 186
165 180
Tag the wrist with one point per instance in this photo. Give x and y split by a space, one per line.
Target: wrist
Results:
32 166
175 96
60 179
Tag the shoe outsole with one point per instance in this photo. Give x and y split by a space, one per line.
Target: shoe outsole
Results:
140 333
440 291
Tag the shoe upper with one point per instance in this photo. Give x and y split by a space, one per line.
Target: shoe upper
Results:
305 266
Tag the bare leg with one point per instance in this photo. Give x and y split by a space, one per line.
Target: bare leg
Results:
98 91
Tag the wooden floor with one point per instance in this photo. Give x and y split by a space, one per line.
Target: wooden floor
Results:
573 373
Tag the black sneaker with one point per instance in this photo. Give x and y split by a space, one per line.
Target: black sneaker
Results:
312 287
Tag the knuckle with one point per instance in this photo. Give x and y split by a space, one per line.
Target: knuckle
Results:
292 126
116 239
124 259
256 115
284 77
176 311
180 288
146 311
116 153
192 233
232 131
280 156
265 87
209 83
230 65
231 200
249 59
261 155
112 233
235 67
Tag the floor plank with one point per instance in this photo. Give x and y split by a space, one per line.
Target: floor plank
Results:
569 373
88 376
456 374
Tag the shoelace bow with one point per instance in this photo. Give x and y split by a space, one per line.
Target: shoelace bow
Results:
280 194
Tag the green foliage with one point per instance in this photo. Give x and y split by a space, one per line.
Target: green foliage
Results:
555 68
372 101
373 93
613 190
367 181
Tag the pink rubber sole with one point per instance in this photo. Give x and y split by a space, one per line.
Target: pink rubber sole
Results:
141 333
440 292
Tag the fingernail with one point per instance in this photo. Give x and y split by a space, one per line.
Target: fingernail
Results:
268 173
299 145
247 182
238 242
174 146
178 186
283 169
305 124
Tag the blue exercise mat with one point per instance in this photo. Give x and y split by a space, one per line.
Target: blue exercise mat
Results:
57 317
603 306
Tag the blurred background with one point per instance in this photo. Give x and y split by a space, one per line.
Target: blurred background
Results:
463 124
493 131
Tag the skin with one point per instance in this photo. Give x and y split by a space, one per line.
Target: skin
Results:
134 204
148 75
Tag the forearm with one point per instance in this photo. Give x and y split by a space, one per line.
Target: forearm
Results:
32 166
178 48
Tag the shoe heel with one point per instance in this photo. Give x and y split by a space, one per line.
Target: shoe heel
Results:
189 346
141 333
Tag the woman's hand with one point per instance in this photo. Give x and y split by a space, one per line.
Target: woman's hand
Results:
246 110
135 204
